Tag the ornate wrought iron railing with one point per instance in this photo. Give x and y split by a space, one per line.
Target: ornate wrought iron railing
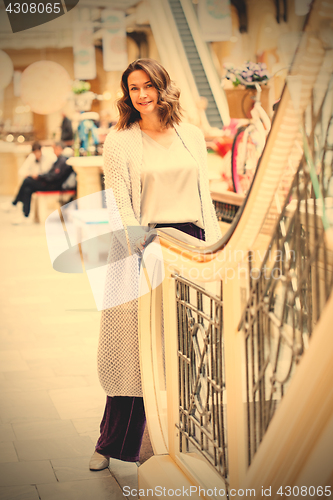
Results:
288 292
202 405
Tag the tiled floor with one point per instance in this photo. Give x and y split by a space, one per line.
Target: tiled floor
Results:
51 402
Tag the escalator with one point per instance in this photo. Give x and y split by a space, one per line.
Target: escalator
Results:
199 74
182 50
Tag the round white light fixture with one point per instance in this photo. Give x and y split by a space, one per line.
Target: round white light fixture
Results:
45 87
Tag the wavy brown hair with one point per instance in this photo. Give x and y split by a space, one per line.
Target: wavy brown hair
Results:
168 95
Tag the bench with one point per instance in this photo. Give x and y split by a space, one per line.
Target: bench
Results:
45 202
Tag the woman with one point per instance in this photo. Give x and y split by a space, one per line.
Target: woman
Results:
156 169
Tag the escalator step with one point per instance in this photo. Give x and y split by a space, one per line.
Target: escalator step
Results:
213 115
187 38
213 112
204 87
183 26
192 52
177 10
196 65
190 46
188 42
198 75
195 60
201 76
182 21
198 71
205 92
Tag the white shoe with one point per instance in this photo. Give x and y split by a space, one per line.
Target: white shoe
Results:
98 461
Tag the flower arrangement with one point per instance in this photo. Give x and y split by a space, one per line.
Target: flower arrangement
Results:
79 87
83 97
248 74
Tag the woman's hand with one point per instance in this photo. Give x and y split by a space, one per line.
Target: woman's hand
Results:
145 240
141 243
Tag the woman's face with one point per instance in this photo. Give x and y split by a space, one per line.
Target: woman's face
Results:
143 94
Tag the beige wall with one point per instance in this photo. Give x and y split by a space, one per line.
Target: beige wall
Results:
266 40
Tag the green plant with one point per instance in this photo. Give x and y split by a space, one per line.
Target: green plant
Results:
247 74
79 87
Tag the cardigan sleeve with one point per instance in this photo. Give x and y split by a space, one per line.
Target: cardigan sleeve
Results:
118 180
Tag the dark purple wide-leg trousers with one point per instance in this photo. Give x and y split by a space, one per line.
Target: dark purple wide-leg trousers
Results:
124 418
122 428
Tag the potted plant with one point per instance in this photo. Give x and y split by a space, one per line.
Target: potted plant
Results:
82 95
243 79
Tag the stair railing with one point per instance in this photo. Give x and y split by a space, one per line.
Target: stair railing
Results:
211 334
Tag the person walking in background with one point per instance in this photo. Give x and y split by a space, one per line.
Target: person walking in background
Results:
156 169
49 181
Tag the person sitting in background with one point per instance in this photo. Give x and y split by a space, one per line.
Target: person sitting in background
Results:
49 181
37 162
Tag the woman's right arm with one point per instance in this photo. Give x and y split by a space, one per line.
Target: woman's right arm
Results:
119 191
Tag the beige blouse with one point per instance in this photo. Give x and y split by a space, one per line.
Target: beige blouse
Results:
169 184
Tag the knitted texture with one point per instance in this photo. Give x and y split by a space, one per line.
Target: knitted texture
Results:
118 350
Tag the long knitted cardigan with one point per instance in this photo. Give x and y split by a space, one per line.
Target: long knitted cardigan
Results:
118 350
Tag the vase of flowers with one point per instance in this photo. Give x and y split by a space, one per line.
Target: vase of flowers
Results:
248 74
241 96
83 98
